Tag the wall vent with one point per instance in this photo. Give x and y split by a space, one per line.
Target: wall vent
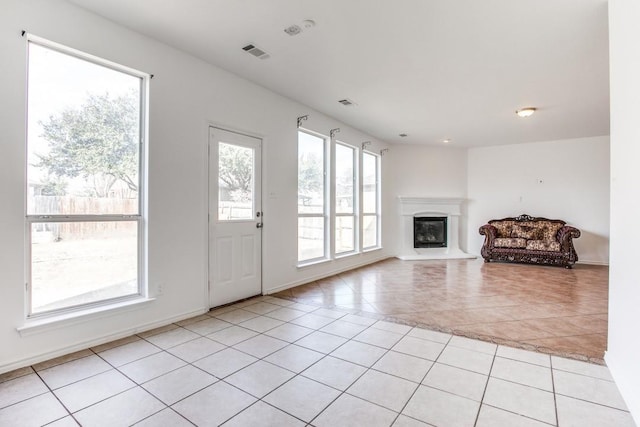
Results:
257 52
347 102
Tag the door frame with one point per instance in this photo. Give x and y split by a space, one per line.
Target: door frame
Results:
207 217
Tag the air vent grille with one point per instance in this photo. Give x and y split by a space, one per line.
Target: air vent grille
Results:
255 51
347 102
293 30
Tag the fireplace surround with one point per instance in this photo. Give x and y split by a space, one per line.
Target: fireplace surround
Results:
420 209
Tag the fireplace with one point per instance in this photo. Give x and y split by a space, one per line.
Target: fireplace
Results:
430 232
445 245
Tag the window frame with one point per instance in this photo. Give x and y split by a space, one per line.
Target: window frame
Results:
355 214
326 161
378 202
140 218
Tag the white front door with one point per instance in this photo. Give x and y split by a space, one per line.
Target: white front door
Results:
235 217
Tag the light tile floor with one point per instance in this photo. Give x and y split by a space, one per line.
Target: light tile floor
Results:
271 362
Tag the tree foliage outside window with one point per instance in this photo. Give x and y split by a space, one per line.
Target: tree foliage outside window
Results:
236 171
97 141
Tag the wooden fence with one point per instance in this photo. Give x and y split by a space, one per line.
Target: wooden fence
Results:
66 205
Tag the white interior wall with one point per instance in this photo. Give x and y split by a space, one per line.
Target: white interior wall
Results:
504 181
623 354
186 96
429 171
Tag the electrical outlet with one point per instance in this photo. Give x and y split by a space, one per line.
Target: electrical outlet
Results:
159 288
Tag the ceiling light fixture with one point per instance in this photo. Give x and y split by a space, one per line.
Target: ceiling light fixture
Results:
526 112
446 141
403 135
309 23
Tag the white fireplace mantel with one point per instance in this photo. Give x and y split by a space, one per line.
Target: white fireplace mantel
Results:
410 207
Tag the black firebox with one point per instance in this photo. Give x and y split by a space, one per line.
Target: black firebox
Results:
430 232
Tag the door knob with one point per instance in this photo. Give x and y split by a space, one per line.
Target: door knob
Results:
259 225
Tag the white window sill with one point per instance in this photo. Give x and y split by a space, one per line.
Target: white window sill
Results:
314 262
347 254
337 257
43 324
377 248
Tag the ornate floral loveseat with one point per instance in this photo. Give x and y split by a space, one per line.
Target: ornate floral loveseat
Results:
530 240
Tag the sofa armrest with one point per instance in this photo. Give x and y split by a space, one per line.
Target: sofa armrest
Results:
565 236
490 232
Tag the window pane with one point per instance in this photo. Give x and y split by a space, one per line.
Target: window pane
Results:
345 236
344 179
77 263
83 136
369 183
369 231
311 178
235 182
310 238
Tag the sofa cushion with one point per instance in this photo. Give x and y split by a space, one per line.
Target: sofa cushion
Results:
526 232
550 230
503 228
543 245
510 242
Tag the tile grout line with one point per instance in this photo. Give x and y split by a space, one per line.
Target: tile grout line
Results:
486 386
421 381
553 386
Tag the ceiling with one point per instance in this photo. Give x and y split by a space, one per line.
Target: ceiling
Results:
432 69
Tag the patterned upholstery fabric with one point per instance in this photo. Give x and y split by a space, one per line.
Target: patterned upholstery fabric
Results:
536 230
543 245
550 231
526 231
510 242
533 240
503 228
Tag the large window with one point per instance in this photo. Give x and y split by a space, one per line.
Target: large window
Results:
345 199
370 201
352 222
85 218
312 198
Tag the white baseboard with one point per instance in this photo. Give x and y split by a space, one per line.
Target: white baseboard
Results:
589 262
28 361
323 275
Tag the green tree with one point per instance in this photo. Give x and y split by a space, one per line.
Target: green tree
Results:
310 174
235 171
53 186
98 141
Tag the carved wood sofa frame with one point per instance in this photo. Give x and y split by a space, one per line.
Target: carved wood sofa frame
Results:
565 257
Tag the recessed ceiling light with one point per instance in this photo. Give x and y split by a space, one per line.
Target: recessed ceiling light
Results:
526 112
446 141
309 23
403 135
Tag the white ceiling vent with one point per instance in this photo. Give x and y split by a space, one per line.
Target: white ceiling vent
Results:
293 30
347 102
257 52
